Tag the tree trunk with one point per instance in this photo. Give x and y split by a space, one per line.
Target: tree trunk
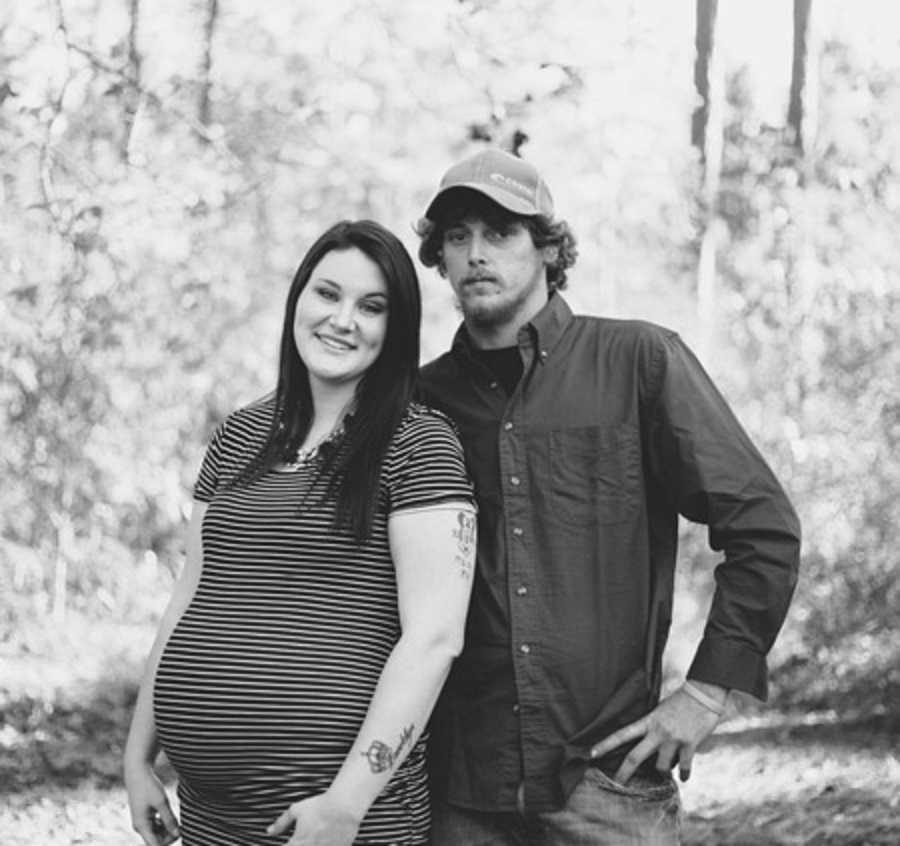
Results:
203 106
713 234
704 43
132 92
65 544
134 57
801 108
707 136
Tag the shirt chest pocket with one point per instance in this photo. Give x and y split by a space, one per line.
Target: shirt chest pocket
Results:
594 475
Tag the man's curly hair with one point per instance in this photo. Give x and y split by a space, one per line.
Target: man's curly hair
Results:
464 202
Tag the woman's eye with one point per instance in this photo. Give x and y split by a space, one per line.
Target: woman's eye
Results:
455 237
326 293
373 307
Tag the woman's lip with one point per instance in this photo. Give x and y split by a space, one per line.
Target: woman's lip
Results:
335 343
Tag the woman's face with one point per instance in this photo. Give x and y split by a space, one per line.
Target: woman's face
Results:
341 318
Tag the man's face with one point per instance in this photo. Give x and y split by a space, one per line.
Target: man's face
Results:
497 273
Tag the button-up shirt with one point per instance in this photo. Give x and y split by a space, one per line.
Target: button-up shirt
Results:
613 430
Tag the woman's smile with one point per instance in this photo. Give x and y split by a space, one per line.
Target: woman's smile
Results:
341 318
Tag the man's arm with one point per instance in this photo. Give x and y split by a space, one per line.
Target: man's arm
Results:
700 455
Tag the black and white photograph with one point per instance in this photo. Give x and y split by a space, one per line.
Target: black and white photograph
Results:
449 423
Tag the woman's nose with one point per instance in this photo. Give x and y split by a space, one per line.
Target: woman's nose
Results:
342 317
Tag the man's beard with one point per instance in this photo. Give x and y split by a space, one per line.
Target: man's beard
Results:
493 312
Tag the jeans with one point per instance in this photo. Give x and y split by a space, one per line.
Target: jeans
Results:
599 812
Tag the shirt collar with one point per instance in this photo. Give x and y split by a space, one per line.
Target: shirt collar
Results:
541 333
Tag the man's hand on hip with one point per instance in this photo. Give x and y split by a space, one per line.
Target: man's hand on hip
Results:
672 730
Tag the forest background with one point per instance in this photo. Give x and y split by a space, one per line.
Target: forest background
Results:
732 170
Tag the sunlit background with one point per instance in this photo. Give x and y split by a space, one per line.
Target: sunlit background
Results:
163 167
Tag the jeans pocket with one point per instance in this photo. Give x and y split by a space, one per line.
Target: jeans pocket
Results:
647 788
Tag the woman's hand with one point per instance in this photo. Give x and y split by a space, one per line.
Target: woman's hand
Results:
318 821
151 816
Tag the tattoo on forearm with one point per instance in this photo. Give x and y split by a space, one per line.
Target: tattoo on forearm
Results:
381 757
465 543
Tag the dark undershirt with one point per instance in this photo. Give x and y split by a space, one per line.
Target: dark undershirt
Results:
505 363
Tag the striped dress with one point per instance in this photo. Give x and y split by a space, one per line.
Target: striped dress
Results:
266 679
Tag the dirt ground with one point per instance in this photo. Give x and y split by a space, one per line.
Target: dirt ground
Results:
765 779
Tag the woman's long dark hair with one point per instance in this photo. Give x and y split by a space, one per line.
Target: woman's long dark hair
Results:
353 468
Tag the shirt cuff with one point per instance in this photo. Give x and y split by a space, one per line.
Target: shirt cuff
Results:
731 665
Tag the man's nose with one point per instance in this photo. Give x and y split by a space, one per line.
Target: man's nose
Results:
476 250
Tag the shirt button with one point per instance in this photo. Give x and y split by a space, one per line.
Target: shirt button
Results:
493 384
518 532
514 480
543 353
524 649
507 425
521 590
516 708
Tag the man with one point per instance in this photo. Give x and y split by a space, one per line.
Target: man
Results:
585 437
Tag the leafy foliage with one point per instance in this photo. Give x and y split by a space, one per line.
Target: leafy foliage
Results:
811 299
147 241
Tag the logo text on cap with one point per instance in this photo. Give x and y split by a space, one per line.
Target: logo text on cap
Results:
509 182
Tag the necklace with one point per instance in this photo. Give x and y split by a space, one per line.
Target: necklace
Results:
305 456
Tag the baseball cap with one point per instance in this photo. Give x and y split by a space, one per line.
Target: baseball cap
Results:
509 181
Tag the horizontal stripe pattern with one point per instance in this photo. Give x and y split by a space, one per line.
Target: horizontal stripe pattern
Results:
266 679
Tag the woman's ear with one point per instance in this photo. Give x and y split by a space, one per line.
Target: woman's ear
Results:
550 254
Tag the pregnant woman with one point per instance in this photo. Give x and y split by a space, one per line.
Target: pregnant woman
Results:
324 593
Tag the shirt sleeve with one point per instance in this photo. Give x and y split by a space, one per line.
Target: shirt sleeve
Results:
425 465
211 469
702 456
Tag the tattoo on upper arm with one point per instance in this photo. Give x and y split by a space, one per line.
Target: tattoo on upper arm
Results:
465 543
381 757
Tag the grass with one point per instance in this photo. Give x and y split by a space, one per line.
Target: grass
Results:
767 777
815 779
